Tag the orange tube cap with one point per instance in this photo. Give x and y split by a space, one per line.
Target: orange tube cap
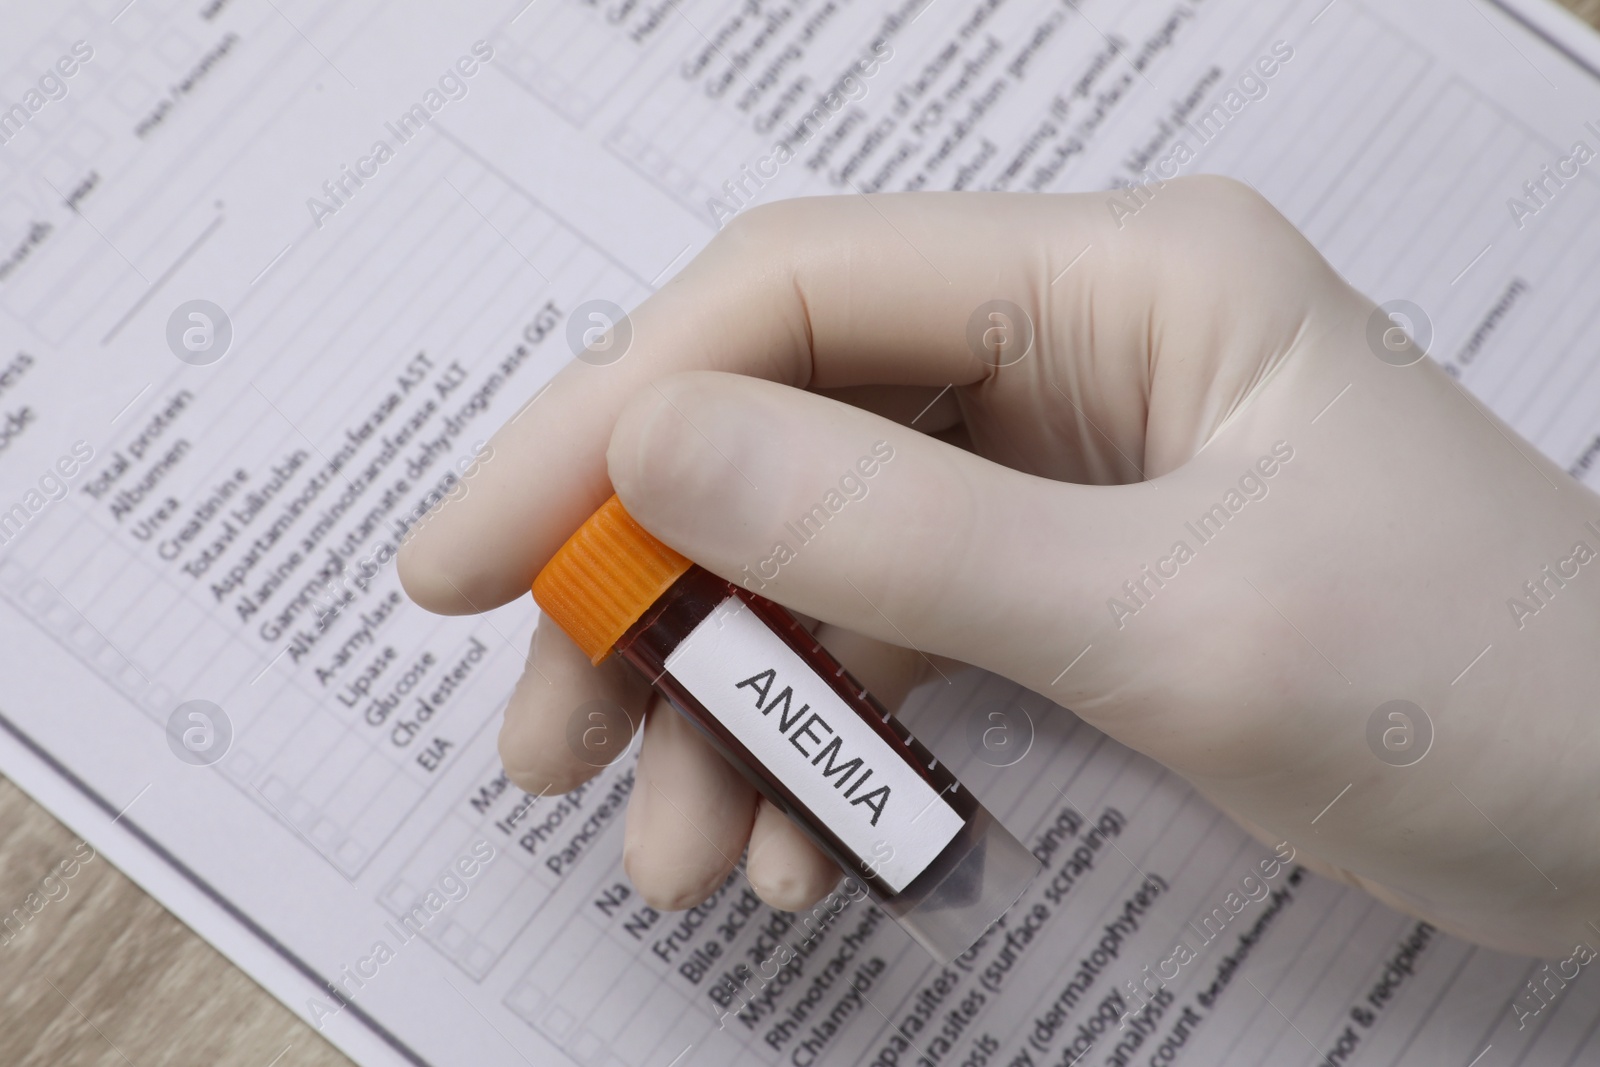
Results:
607 575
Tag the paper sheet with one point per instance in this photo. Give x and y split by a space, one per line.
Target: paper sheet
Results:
394 215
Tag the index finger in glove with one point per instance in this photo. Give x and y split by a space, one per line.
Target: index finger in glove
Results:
821 293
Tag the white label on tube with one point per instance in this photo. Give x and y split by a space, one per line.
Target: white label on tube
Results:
814 743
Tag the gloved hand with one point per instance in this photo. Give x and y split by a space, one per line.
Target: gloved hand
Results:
1199 510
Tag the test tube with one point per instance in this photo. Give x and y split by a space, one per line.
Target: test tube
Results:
794 722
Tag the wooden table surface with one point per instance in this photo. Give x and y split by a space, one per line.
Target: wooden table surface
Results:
106 977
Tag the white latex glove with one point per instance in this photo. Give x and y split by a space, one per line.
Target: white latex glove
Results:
1192 348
